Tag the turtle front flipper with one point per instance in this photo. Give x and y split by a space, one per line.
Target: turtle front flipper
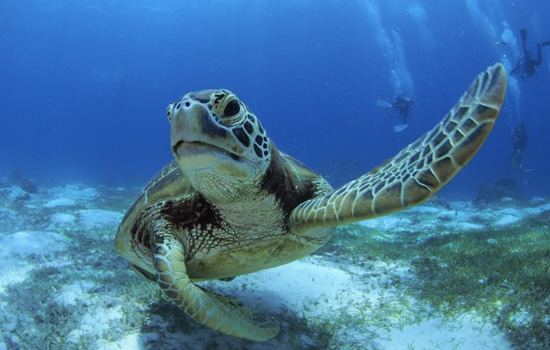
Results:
419 170
217 312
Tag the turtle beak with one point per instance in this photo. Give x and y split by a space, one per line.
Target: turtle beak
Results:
186 125
195 136
176 147
191 122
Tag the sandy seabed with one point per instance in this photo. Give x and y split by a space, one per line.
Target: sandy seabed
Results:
62 285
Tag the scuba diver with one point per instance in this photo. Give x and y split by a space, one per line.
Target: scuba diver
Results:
401 105
527 66
519 144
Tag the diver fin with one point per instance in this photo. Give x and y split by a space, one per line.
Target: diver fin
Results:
523 33
400 127
382 103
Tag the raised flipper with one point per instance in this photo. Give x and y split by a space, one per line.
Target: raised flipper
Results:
220 313
419 170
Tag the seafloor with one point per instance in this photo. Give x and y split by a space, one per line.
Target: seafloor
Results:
444 275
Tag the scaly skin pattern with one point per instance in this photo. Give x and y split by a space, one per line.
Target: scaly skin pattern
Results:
419 170
231 203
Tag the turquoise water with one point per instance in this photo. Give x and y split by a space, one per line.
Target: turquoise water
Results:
85 83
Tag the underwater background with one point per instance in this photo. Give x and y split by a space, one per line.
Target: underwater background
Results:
85 83
83 90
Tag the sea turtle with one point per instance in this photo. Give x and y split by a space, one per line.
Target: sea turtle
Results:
231 203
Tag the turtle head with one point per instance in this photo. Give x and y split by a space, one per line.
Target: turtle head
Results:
218 142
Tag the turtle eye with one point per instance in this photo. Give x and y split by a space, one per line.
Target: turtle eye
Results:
232 108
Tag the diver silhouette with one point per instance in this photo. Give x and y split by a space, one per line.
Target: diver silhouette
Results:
527 66
401 106
519 144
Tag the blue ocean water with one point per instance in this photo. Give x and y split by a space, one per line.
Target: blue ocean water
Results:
84 84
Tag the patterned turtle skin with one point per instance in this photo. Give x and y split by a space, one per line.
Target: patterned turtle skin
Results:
230 203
